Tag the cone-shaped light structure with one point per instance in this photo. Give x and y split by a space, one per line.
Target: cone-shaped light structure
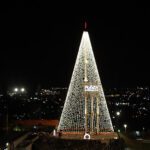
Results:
85 107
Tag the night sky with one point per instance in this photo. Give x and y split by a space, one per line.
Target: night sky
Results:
39 42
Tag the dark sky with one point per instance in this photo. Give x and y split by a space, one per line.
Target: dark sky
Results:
39 42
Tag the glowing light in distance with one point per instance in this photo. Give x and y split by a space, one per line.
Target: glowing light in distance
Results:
16 89
118 113
22 89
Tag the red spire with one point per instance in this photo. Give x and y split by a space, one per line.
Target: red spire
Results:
85 25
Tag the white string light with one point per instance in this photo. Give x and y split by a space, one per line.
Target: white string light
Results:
73 116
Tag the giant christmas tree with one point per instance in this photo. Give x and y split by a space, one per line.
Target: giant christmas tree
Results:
85 107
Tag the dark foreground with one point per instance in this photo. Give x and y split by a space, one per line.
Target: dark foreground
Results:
45 143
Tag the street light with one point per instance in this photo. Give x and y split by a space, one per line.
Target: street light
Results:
22 89
16 89
117 118
118 113
125 126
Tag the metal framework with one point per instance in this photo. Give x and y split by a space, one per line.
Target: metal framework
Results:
85 107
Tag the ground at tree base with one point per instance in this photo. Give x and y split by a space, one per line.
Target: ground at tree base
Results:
47 142
104 137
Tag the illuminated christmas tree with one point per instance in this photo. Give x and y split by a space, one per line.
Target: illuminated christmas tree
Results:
85 107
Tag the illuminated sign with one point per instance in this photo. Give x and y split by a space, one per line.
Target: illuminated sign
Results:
91 88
